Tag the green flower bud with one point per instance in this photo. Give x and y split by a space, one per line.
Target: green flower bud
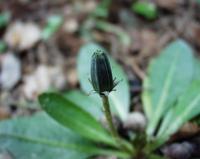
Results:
101 74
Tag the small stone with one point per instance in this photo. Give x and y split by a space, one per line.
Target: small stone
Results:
44 78
10 71
89 6
135 121
71 25
72 78
22 36
178 150
36 82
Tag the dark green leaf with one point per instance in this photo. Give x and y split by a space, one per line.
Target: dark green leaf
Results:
120 99
70 115
169 75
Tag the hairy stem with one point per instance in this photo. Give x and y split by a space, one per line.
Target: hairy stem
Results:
123 144
108 115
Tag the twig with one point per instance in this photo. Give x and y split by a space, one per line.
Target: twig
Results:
136 68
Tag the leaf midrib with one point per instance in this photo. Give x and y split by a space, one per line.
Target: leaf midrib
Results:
179 120
81 148
163 96
101 134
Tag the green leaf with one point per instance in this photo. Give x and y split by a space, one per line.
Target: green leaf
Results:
85 102
53 23
196 75
2 46
120 99
146 9
153 156
188 107
4 19
102 10
198 1
172 116
39 136
168 77
73 117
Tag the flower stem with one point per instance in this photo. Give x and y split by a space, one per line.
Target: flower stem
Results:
108 115
123 144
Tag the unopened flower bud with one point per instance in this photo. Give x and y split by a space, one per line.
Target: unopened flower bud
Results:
101 74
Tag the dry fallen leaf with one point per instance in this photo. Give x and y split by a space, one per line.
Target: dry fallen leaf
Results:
169 4
193 33
4 112
145 42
